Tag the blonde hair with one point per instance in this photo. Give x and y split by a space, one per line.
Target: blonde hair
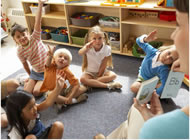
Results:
163 48
65 52
96 30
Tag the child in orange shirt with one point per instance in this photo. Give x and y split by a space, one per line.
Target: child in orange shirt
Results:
61 60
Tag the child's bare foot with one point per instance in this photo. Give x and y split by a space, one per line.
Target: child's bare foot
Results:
82 97
99 136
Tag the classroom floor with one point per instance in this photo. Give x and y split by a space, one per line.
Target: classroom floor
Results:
9 60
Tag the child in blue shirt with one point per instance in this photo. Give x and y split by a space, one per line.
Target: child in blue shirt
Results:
155 63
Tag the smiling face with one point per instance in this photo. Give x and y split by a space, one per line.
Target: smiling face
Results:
98 40
29 112
168 56
61 60
181 40
21 38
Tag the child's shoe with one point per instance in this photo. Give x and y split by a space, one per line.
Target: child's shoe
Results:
82 97
114 85
21 78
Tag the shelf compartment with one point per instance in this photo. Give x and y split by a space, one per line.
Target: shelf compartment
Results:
149 22
107 29
52 15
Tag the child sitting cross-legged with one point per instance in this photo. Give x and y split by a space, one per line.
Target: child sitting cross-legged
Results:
61 60
156 62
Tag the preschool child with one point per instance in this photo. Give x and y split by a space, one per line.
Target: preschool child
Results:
74 93
31 50
23 117
96 58
157 62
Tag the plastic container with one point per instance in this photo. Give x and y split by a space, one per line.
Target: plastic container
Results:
45 9
78 37
109 22
85 22
115 45
168 16
59 37
46 35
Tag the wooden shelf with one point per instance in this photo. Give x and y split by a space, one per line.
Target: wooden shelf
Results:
149 22
107 29
61 12
52 15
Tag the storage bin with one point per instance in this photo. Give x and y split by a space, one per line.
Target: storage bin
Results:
168 16
46 35
78 37
109 22
76 20
45 9
115 45
138 52
59 37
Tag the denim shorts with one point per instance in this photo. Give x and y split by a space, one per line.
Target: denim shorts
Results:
37 76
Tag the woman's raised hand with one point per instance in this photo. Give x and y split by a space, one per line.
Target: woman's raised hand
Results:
151 36
154 110
42 1
51 50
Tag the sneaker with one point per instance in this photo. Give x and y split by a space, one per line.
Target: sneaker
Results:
60 107
21 78
114 85
99 136
82 97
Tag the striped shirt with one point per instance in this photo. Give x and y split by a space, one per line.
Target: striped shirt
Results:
35 53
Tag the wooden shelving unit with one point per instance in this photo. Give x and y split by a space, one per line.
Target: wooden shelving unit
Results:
60 14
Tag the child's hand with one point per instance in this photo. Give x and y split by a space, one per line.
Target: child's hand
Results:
89 44
151 36
60 79
68 100
51 50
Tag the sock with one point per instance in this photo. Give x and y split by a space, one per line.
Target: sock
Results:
74 100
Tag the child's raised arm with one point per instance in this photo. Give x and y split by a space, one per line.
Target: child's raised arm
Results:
52 96
49 56
85 49
151 36
37 25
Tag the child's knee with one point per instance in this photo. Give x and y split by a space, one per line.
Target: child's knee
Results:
4 121
58 126
30 137
134 88
113 76
83 80
36 92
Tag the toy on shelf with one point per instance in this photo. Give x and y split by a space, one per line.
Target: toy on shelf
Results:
168 16
166 3
128 47
122 3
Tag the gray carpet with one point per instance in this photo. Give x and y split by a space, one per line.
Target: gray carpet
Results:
104 110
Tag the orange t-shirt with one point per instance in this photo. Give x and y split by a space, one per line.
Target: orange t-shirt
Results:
49 82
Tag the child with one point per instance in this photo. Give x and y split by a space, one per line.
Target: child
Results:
22 113
61 61
155 63
7 88
97 56
31 50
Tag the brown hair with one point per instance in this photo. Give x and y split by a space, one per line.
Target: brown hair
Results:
182 5
96 30
16 27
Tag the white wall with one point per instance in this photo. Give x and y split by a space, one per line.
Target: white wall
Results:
14 3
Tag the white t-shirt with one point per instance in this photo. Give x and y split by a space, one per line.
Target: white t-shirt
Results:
94 59
14 133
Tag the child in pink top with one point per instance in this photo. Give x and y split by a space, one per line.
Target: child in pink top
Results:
31 50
